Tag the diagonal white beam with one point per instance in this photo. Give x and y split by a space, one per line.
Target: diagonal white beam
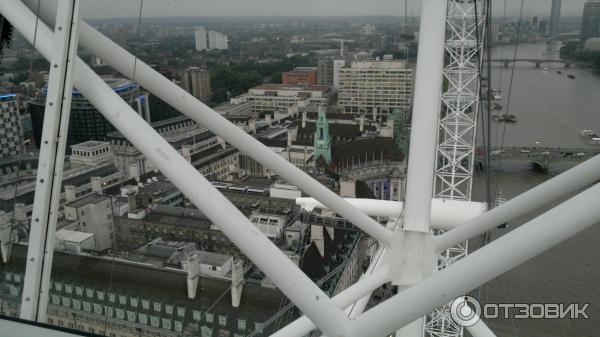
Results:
121 60
558 187
354 298
498 257
364 287
290 280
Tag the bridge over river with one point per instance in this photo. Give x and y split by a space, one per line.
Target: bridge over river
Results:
541 158
537 62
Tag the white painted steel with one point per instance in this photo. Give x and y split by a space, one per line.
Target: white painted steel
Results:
426 111
465 22
558 187
523 243
290 280
445 214
460 101
498 257
34 300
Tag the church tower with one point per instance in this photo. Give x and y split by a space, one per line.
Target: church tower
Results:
322 142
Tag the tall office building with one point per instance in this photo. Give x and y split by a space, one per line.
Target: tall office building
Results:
196 81
543 26
210 40
337 67
10 128
217 40
325 71
590 23
555 18
86 122
375 87
201 40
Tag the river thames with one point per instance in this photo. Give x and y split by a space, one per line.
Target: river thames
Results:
551 110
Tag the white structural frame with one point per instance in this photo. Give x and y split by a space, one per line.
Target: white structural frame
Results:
465 22
460 101
34 301
407 245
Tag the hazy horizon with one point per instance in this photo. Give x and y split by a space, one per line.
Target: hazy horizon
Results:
107 9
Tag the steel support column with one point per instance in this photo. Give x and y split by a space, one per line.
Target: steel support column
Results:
426 110
40 251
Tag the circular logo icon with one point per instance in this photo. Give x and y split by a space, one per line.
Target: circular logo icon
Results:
465 311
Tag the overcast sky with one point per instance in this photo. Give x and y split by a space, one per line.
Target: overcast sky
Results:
154 8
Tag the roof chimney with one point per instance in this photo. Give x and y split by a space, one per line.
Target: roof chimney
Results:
70 193
268 119
132 200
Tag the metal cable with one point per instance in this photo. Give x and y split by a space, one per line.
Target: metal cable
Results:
512 75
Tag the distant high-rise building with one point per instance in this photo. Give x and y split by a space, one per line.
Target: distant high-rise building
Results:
201 40
210 40
11 142
325 71
543 27
217 40
196 81
375 87
555 18
590 23
337 66
300 75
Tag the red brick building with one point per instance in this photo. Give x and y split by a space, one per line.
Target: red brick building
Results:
301 75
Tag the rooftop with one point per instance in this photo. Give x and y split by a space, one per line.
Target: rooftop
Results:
90 145
156 187
157 285
285 87
90 199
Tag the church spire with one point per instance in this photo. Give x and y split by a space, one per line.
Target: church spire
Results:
322 142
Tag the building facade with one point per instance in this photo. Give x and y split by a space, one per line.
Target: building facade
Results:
93 214
555 18
85 122
201 39
206 40
11 142
325 71
273 99
196 81
375 87
217 40
590 23
300 76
